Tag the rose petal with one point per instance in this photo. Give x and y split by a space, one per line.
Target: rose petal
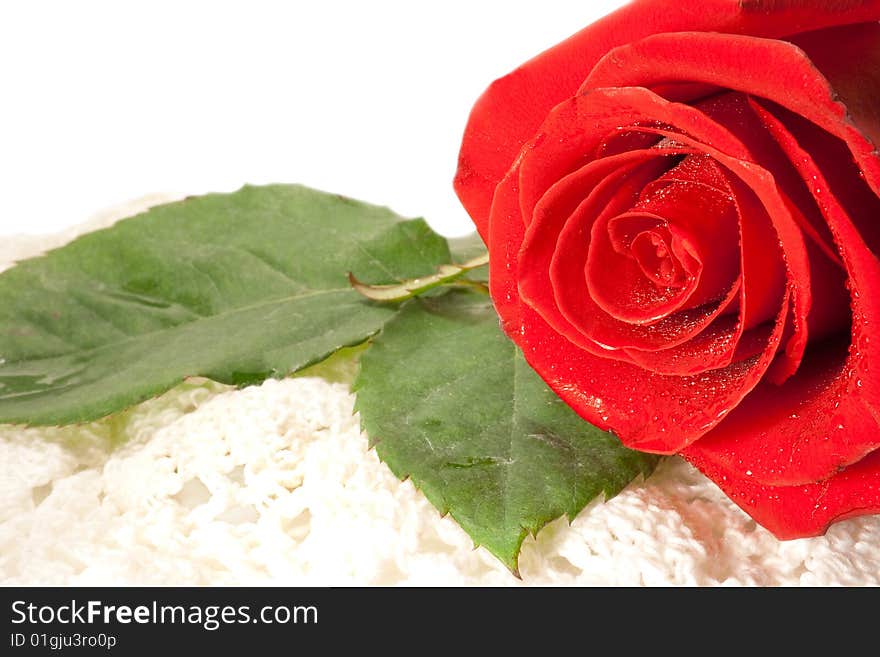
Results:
826 423
560 208
679 241
572 308
513 107
834 51
801 432
693 415
656 413
773 69
801 510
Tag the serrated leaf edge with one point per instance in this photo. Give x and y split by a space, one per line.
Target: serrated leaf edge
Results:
512 564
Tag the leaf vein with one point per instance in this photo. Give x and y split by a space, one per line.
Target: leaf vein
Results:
168 329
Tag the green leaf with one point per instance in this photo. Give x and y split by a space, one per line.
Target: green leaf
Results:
450 402
467 248
234 287
339 367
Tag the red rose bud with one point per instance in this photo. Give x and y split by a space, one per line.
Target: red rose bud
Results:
681 208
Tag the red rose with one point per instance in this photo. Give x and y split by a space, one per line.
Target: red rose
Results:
681 208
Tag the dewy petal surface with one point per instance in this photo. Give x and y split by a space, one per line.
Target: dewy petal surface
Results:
767 68
697 402
803 510
826 418
510 111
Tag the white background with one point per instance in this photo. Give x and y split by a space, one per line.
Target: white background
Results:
103 102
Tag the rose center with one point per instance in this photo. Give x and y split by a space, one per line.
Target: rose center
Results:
653 253
675 249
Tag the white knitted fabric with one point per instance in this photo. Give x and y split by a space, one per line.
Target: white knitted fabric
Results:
274 484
